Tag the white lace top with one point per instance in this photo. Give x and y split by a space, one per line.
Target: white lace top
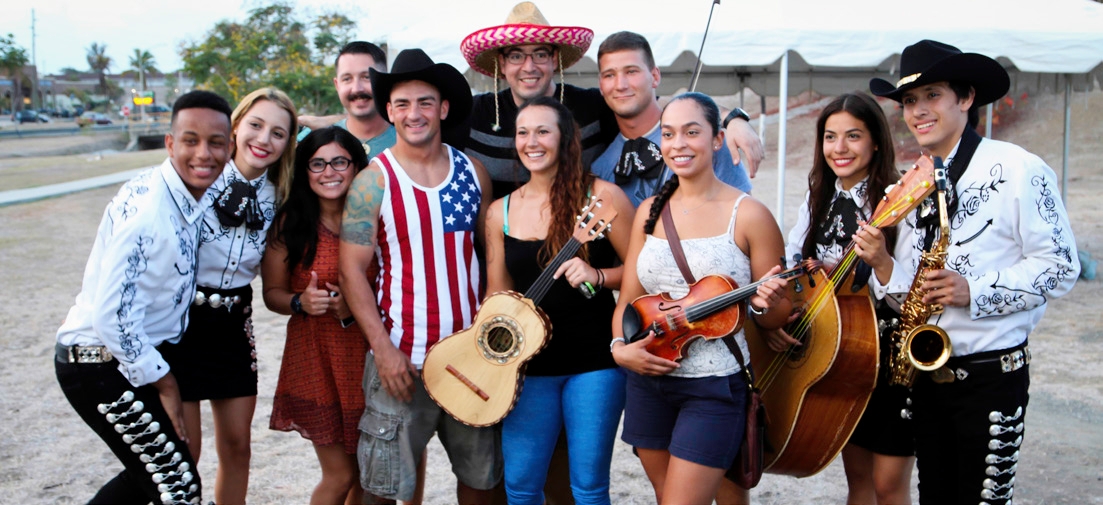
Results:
658 273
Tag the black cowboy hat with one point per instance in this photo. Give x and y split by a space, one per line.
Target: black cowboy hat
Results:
415 65
927 61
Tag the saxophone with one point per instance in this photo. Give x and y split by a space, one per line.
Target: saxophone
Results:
917 345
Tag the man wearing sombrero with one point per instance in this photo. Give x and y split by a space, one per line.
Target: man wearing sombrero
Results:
1010 249
527 52
414 212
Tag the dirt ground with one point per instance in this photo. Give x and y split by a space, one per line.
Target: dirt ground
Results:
47 455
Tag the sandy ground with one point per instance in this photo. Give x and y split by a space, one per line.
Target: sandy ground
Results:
47 455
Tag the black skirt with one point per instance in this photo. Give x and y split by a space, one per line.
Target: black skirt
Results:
216 358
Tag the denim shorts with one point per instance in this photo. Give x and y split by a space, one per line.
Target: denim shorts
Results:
696 419
393 436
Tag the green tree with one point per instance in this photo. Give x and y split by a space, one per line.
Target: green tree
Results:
143 62
70 74
99 62
332 31
272 47
12 59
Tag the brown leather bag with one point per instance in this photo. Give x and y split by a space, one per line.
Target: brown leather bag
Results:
746 470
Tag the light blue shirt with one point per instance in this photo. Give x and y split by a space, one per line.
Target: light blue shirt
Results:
639 189
372 146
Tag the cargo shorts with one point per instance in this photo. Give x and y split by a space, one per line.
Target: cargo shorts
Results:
393 436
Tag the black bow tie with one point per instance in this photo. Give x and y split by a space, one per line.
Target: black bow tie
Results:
640 158
238 204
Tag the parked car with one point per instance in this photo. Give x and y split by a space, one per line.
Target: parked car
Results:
26 116
93 118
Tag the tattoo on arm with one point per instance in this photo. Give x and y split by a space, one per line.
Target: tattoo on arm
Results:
360 222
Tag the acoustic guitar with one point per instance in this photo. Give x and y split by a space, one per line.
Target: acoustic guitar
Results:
710 310
816 393
475 374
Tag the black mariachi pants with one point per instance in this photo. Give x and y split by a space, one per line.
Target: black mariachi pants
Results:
134 424
968 432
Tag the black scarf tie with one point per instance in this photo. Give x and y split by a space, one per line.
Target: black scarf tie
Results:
639 158
970 140
238 204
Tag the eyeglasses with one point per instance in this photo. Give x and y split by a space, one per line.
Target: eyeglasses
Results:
318 165
539 57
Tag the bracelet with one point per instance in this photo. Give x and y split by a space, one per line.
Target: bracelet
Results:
736 112
757 311
614 342
600 279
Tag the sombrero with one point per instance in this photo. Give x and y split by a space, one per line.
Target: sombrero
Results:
524 25
928 61
415 65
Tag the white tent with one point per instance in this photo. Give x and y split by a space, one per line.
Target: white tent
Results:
784 47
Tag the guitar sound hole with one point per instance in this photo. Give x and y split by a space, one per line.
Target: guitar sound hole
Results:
500 340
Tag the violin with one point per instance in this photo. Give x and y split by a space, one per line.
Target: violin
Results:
710 310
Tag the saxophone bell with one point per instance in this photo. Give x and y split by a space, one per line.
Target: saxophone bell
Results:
928 347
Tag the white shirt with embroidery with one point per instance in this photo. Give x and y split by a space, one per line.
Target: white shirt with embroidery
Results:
230 257
830 256
1010 239
140 276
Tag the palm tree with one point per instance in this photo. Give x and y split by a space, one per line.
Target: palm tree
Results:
99 62
143 62
12 59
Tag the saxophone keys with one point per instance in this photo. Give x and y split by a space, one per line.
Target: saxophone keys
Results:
942 375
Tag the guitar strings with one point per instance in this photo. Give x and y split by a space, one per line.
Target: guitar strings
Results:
545 281
819 302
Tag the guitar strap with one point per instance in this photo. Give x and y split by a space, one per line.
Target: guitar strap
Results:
680 258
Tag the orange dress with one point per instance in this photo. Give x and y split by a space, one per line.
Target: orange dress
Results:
319 391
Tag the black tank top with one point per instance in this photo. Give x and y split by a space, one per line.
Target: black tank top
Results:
581 328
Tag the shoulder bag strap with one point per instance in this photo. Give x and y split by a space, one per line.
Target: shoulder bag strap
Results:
676 245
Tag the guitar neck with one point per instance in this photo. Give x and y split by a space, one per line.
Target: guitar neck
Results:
702 310
544 282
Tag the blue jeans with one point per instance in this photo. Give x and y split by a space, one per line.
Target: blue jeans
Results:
588 405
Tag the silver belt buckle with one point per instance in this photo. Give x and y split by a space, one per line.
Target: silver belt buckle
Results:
1015 360
89 354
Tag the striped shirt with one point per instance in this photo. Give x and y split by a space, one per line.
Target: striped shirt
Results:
429 275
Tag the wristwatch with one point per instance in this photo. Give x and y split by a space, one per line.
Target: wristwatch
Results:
296 304
736 112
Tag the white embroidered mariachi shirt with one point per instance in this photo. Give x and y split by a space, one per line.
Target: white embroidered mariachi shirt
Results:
829 249
230 257
1011 240
140 276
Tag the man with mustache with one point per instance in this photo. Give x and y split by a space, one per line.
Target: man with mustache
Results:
354 89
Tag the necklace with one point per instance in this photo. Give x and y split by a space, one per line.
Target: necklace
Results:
702 204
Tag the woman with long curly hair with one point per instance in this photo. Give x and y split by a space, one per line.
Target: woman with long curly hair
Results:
573 384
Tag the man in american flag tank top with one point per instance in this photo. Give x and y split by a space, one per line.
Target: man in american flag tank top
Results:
416 212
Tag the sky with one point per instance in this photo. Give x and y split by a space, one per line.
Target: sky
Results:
65 29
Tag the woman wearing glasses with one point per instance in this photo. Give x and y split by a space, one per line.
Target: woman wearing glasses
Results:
318 393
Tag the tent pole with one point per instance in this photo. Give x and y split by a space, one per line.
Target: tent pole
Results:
783 114
1068 131
988 122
